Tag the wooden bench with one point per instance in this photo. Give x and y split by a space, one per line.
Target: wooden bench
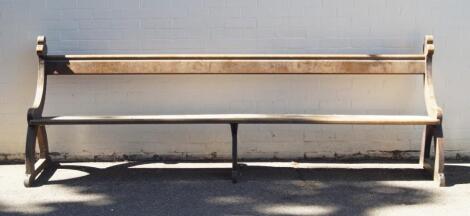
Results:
414 64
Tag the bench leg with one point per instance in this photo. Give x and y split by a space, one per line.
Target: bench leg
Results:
43 144
425 146
234 130
33 167
439 176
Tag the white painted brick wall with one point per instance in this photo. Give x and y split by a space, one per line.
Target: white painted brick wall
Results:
233 26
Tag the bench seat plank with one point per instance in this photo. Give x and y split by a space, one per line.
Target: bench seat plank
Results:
239 118
237 56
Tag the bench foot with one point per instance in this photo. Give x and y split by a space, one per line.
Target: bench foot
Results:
39 166
440 179
439 159
33 166
28 180
436 167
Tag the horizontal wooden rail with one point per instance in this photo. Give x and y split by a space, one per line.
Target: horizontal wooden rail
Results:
236 66
240 118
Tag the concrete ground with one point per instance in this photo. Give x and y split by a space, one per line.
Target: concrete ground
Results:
139 188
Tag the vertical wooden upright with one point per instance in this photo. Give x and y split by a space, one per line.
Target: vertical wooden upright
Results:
35 132
435 132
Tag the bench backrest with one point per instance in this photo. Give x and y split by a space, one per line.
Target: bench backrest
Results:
235 64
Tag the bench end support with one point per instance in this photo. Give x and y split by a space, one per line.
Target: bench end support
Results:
436 167
33 166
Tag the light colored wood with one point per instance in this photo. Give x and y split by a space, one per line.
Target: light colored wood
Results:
430 98
428 165
41 48
240 118
111 57
425 145
237 66
439 176
42 142
434 111
436 166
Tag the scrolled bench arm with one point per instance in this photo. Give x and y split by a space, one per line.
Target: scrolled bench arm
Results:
36 109
432 108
